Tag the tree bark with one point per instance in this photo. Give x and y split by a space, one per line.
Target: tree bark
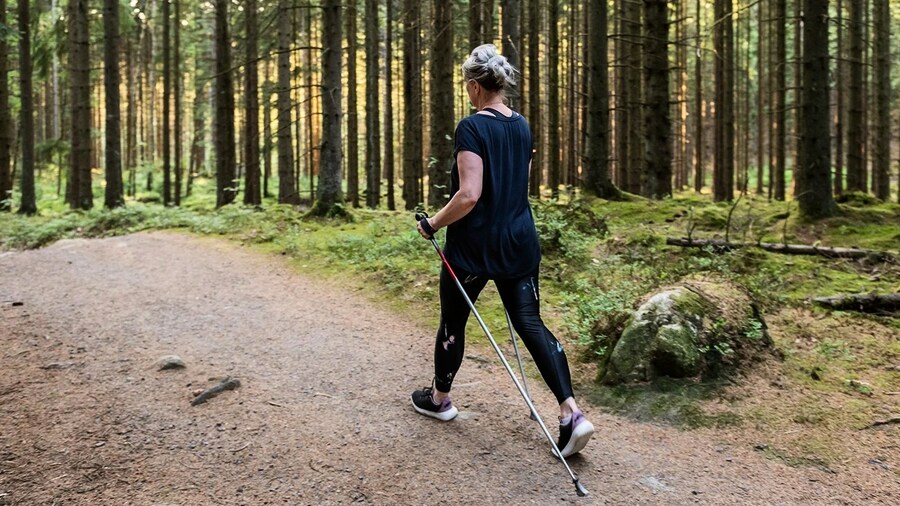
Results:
267 130
881 156
512 38
373 132
553 144
633 61
761 101
225 162
723 171
352 115
476 24
26 123
167 104
698 107
813 183
389 104
786 249
79 192
866 303
287 194
780 76
840 116
856 170
6 124
442 123
657 182
535 98
179 113
131 116
329 192
252 190
597 149
412 110
113 194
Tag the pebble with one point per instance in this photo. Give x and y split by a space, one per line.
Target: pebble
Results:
170 362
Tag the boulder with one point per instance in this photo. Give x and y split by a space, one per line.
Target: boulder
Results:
687 331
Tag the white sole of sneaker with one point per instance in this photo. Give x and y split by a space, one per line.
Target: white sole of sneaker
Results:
445 416
580 437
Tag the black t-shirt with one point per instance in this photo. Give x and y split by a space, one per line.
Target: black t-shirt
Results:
497 238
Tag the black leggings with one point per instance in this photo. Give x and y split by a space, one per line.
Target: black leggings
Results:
522 301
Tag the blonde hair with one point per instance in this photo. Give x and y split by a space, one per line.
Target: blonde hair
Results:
489 69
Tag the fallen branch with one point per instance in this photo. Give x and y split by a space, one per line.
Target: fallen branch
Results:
865 302
228 383
889 421
786 249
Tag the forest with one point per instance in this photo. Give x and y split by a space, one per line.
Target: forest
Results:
212 290
356 102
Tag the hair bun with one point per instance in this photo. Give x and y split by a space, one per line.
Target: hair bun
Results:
490 68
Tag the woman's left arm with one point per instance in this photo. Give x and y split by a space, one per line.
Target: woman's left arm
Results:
471 173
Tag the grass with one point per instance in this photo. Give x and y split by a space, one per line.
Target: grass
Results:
599 259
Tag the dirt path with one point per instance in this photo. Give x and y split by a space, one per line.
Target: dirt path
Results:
322 416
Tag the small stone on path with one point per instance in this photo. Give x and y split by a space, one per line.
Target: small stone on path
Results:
170 362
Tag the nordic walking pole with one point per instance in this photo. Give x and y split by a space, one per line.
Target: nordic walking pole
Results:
579 488
512 335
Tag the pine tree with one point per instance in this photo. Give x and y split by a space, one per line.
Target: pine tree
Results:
657 182
252 190
881 156
329 192
78 191
287 193
813 180
373 132
597 150
441 106
224 98
6 126
26 124
113 192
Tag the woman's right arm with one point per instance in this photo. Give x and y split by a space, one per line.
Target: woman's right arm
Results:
471 173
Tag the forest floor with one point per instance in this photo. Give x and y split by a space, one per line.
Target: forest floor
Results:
322 414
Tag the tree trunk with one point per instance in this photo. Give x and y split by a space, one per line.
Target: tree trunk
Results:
779 130
512 38
698 106
167 105
476 24
597 150
553 144
856 171
79 192
267 129
657 183
761 101
287 193
723 172
131 115
389 105
840 116
26 123
442 123
329 192
633 61
813 183
252 190
352 115
798 86
412 109
373 132
226 186
881 156
113 194
6 125
179 114
535 98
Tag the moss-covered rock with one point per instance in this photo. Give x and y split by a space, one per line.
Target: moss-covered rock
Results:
697 329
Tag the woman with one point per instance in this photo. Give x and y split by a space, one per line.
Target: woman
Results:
491 235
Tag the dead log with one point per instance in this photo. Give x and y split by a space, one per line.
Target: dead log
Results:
719 245
228 383
889 421
864 302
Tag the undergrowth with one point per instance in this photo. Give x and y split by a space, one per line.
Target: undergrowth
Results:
600 259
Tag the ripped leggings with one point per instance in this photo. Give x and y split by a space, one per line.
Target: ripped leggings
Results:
522 301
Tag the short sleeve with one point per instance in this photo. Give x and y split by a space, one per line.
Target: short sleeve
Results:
466 138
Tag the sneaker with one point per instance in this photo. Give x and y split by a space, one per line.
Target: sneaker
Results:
423 402
574 435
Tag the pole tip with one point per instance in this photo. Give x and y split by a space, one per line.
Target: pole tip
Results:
579 488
